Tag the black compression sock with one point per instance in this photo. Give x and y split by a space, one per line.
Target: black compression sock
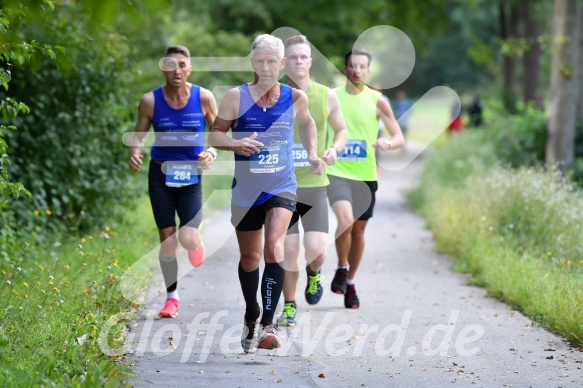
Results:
249 285
271 288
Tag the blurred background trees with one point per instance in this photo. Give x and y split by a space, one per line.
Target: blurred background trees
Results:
81 66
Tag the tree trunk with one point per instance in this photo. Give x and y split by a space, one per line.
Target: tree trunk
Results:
530 60
508 19
579 107
564 83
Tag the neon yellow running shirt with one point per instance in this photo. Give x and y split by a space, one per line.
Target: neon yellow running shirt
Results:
357 160
317 105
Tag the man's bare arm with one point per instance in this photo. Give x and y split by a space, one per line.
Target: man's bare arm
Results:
307 130
336 121
385 113
227 116
143 123
209 108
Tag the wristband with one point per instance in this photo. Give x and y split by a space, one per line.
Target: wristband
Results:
212 151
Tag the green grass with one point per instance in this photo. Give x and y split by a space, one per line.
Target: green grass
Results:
516 231
56 296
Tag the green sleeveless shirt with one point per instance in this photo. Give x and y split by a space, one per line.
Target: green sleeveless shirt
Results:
357 160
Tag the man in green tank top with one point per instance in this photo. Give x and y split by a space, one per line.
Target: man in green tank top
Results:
353 179
312 204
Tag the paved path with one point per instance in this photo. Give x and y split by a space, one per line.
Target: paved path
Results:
419 323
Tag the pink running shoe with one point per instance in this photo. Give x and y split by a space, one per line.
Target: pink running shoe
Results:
171 308
196 257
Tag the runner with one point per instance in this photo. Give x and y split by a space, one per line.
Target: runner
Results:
312 206
174 177
353 179
261 116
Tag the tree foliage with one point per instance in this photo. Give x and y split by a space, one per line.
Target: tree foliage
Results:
69 149
69 68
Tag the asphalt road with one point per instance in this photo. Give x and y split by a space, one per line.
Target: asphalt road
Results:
419 323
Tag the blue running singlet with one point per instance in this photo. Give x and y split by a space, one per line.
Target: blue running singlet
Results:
271 172
171 126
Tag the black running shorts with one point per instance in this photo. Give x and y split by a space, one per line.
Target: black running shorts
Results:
248 218
167 201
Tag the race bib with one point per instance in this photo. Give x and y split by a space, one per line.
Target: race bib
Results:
354 151
271 159
181 173
300 155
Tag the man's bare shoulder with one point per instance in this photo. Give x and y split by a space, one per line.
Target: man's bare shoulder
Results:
148 98
232 96
206 94
147 103
299 95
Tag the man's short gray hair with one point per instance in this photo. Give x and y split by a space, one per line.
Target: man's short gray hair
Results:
267 41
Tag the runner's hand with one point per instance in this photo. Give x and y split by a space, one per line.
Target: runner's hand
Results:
205 160
136 162
330 156
317 165
247 146
382 144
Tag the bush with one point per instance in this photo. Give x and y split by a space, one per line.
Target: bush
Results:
68 151
519 139
516 231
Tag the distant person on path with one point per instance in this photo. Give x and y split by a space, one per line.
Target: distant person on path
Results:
353 179
312 204
261 115
475 111
401 106
175 176
457 123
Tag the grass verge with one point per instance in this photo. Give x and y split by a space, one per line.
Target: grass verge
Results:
58 296
515 231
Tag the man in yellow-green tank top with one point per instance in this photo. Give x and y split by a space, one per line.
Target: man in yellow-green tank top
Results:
353 179
312 206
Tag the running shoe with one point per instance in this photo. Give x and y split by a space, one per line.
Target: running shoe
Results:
269 340
170 310
196 256
350 298
288 317
339 281
314 289
250 335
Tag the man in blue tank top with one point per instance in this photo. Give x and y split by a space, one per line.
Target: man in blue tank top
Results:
261 116
177 111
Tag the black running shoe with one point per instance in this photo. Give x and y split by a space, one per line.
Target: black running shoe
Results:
350 298
339 281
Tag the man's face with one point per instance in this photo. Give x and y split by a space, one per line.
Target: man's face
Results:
298 61
267 65
176 68
357 69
